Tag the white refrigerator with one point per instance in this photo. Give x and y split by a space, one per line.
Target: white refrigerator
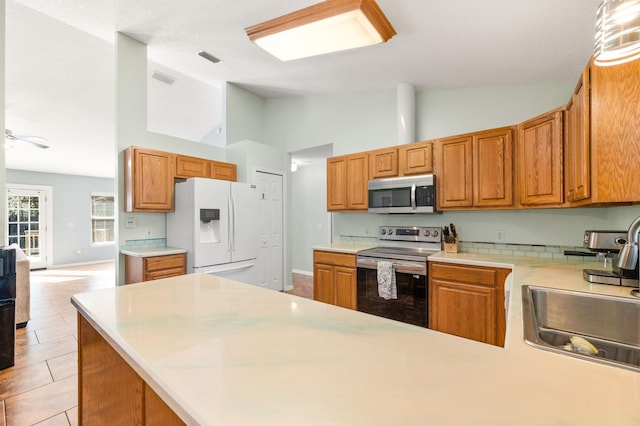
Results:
215 220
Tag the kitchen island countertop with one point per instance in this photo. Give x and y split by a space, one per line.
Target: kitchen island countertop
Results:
221 352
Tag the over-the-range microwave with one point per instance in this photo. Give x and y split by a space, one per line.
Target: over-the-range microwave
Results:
411 194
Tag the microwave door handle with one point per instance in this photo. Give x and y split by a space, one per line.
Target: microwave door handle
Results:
413 196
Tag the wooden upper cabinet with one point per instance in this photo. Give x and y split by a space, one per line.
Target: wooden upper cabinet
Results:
148 180
187 167
615 133
337 183
223 171
493 168
577 155
415 158
540 169
383 163
454 171
358 181
347 182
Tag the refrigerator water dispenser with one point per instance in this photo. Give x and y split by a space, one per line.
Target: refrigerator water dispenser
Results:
209 226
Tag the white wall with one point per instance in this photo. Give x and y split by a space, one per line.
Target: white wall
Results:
70 204
310 222
244 115
131 129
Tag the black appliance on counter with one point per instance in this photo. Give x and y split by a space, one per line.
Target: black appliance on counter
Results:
407 249
7 307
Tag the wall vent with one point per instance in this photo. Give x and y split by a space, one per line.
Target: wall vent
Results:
167 79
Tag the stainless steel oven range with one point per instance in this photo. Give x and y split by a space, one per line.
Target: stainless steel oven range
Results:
407 249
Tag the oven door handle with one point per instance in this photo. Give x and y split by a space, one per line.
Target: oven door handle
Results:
399 266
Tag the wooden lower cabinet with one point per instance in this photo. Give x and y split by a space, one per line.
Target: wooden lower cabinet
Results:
334 278
468 301
138 269
110 391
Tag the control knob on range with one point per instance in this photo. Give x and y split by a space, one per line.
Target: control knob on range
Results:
383 231
426 233
435 233
390 231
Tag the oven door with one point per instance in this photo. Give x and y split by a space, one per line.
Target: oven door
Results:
411 282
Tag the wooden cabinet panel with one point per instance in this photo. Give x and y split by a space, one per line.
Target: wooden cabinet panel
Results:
187 167
358 181
415 158
110 391
493 168
138 269
383 163
463 310
468 301
453 167
108 388
540 180
337 183
615 133
148 176
223 171
577 160
346 292
347 182
323 283
335 278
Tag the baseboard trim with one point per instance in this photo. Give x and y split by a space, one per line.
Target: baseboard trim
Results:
301 272
69 265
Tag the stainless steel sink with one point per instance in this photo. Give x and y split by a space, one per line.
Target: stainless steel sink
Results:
612 324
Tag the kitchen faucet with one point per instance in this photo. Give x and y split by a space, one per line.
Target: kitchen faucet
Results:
628 257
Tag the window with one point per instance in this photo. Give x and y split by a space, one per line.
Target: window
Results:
102 219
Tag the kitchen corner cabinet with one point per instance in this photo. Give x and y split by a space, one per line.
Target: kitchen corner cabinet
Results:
148 180
138 268
108 388
615 133
415 158
540 180
347 182
383 163
334 278
468 301
577 154
475 170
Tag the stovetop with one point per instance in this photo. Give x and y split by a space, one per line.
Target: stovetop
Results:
400 253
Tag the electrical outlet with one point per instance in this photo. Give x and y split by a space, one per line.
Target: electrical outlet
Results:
499 236
130 223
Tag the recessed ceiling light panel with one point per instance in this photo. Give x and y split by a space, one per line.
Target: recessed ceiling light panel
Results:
329 26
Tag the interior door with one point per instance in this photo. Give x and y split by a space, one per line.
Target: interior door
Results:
26 223
271 251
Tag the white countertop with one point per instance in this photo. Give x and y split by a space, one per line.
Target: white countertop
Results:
155 251
343 247
221 352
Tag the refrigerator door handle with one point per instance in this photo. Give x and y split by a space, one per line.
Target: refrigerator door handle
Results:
230 223
233 223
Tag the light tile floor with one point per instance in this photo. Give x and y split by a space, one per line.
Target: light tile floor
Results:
42 387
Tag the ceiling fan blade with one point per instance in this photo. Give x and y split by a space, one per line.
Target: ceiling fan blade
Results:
36 141
33 140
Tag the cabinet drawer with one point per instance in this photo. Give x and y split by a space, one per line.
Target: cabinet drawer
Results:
468 274
332 258
164 262
166 273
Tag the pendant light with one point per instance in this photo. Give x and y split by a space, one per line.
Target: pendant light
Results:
617 32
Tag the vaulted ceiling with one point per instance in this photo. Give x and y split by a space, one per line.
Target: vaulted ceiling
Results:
59 67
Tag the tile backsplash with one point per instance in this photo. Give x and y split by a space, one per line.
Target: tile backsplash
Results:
145 243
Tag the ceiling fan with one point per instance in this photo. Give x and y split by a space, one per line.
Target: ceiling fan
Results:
36 141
